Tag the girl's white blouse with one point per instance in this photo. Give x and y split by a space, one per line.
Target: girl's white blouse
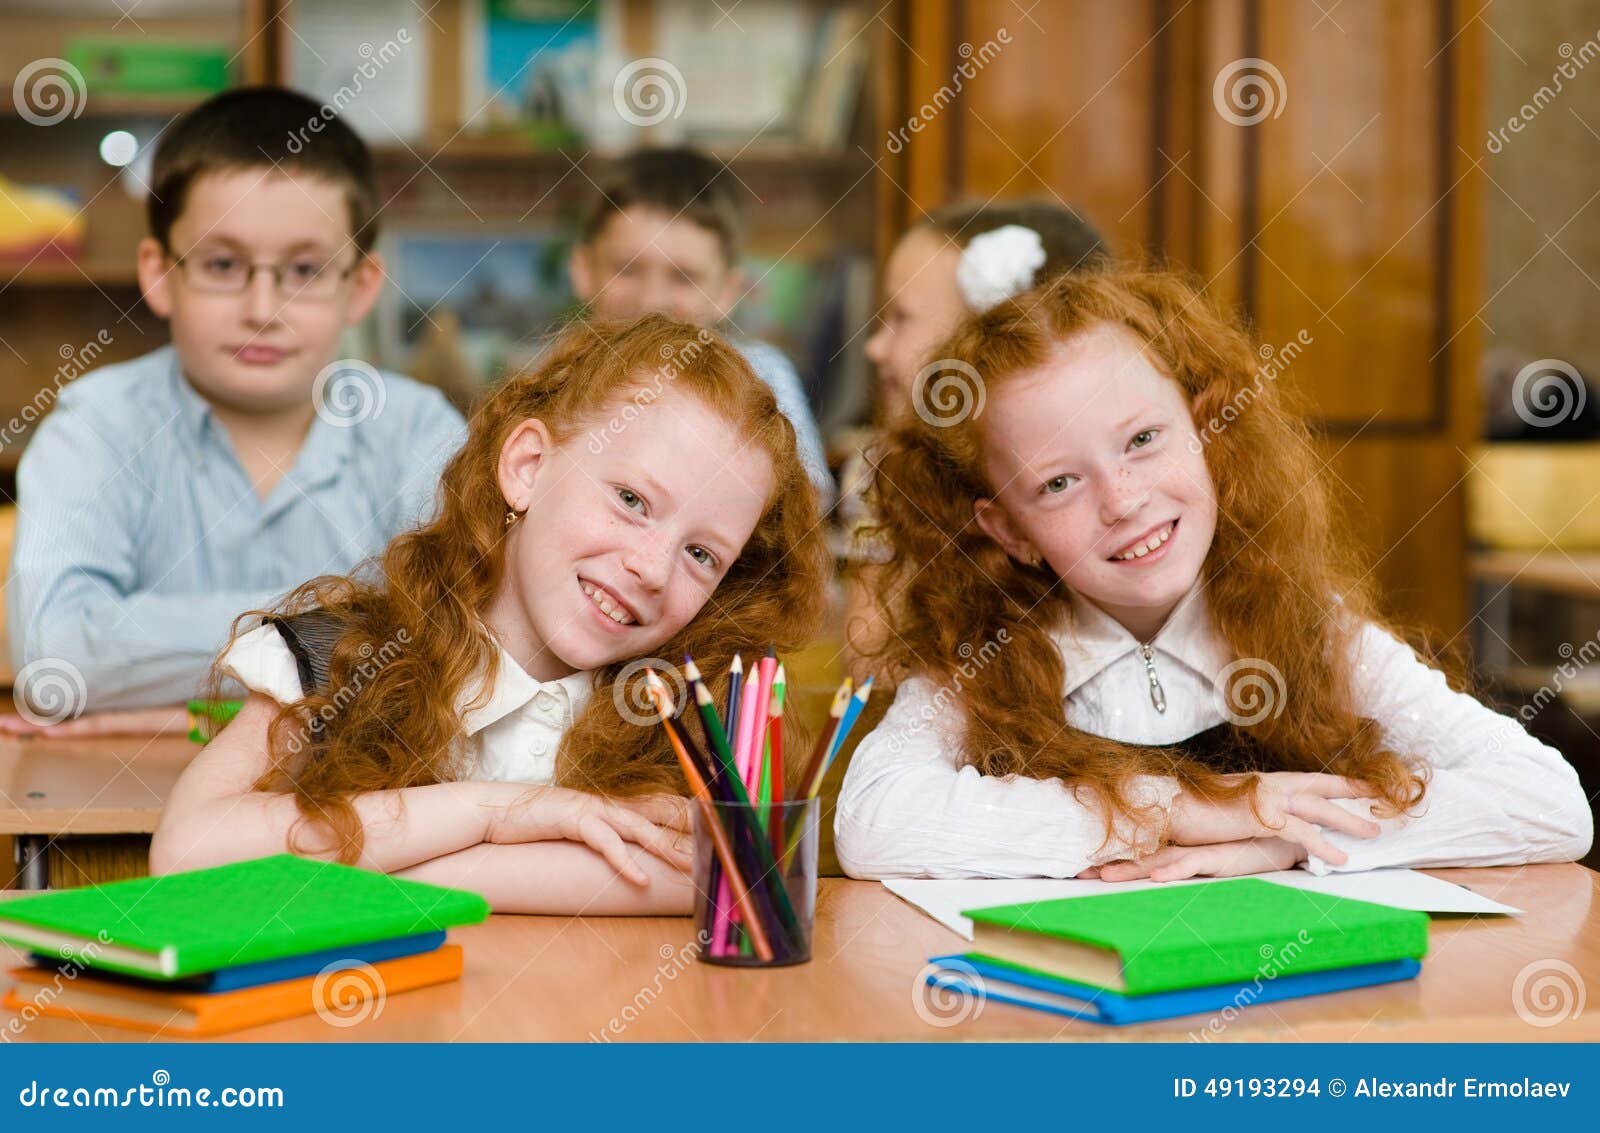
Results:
511 737
908 808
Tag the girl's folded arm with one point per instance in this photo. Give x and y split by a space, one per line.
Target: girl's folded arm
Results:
559 878
908 809
214 815
1495 796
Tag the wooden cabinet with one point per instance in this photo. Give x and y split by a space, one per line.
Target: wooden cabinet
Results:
1312 162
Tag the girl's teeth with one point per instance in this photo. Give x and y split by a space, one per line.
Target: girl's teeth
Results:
606 606
1148 545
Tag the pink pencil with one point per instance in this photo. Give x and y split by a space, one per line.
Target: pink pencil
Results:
766 671
747 722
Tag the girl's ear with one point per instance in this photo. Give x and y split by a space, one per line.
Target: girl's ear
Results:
521 459
996 523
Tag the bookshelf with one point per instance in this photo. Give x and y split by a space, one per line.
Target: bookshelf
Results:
811 201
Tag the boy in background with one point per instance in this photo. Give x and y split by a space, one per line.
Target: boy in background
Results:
662 235
164 496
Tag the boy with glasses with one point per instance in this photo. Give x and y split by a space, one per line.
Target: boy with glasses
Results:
164 496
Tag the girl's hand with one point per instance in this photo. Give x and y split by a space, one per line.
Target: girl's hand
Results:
671 812
1223 859
604 825
127 722
1291 805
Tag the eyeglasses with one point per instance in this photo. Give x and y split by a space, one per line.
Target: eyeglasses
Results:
224 273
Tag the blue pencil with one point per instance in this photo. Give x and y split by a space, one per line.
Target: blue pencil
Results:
851 713
730 718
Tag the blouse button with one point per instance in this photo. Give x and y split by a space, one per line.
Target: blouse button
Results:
545 704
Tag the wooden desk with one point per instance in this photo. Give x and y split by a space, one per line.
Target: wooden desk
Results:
626 979
110 786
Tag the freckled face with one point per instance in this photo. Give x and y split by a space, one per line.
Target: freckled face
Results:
624 538
1098 469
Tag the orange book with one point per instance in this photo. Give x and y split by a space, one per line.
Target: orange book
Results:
343 995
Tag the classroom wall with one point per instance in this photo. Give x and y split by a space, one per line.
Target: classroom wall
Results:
1541 297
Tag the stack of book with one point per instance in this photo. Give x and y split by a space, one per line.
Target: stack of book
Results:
1178 950
215 950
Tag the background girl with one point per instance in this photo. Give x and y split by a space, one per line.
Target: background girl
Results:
961 259
1181 666
472 713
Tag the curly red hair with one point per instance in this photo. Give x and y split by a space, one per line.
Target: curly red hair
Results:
395 724
1277 541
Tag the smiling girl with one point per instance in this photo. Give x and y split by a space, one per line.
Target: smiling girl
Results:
463 713
1135 649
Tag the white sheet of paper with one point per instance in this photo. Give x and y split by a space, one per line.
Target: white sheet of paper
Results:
1401 888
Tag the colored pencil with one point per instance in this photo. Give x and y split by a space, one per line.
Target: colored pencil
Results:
766 673
848 713
745 726
852 713
730 719
719 837
810 780
780 688
717 744
716 735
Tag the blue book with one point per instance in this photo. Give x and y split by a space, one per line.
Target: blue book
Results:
976 977
274 971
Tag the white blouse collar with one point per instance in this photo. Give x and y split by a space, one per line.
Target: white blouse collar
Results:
513 688
1092 639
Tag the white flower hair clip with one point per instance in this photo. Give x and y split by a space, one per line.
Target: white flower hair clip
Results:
998 264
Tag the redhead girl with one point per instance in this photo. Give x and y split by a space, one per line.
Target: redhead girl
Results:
1134 642
470 711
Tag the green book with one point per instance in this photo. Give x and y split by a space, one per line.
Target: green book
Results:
1180 936
184 924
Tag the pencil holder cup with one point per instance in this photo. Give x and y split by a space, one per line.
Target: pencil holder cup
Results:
759 912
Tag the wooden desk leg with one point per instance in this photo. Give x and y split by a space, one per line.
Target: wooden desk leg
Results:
30 851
